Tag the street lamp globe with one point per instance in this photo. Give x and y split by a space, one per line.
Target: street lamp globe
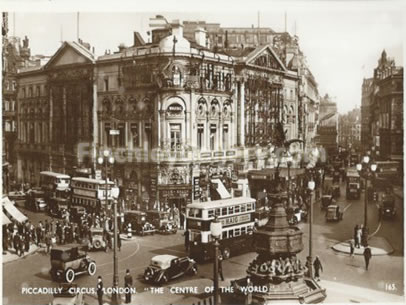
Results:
359 167
366 159
311 185
100 160
106 153
373 167
111 160
216 228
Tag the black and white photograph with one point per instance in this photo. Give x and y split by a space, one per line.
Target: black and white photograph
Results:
202 153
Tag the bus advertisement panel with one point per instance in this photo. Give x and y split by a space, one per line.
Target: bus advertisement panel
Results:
237 218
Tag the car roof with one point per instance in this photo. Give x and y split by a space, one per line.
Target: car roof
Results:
65 247
164 258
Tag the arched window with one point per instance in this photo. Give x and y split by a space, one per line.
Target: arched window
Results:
176 76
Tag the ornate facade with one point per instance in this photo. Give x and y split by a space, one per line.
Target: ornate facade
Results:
175 114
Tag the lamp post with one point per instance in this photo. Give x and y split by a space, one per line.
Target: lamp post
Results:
108 159
289 164
216 230
311 185
365 170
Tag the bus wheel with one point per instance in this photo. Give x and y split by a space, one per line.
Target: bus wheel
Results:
226 253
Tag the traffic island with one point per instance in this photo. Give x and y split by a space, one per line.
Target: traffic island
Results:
276 274
378 245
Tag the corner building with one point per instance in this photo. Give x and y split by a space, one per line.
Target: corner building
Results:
184 122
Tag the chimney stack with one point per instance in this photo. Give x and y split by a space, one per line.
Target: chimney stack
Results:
200 37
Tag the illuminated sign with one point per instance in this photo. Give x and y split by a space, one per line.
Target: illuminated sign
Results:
235 219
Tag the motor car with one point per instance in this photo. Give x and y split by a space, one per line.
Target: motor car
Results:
162 221
336 191
164 268
326 200
139 223
18 197
57 206
387 208
76 213
69 295
68 261
96 240
333 213
36 200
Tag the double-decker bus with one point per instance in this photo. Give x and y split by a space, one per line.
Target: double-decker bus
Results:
52 182
91 193
388 170
237 218
353 184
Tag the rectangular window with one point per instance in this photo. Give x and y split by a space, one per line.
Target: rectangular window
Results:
225 136
121 136
224 235
200 134
148 133
243 208
213 131
237 209
223 211
211 213
243 230
14 85
237 232
230 210
135 134
175 130
217 212
106 84
107 128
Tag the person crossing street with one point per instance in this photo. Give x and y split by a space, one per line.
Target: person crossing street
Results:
317 268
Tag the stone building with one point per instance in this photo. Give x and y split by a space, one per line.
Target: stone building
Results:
386 110
183 122
327 131
349 130
367 92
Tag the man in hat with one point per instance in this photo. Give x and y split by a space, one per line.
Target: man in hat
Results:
128 282
100 291
221 268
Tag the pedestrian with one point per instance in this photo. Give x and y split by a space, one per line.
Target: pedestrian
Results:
48 242
364 236
22 245
220 259
367 256
5 240
359 235
27 242
317 268
351 248
118 241
186 234
356 236
100 290
16 242
46 226
128 283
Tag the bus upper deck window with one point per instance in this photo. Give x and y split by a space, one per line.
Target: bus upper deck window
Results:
230 210
243 230
224 211
243 208
211 213
224 235
237 209
217 212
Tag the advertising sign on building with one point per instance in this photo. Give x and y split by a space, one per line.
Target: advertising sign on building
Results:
196 187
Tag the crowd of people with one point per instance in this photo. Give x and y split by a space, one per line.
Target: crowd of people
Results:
19 237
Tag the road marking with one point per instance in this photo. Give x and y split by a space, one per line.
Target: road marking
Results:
347 207
123 259
376 231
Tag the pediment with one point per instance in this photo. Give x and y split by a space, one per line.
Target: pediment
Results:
265 57
70 54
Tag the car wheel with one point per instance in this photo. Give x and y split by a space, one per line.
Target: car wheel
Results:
69 275
226 253
97 244
91 268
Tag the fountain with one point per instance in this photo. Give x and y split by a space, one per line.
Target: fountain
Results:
276 274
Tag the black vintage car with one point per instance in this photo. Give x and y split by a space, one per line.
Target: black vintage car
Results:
67 261
326 200
387 207
139 223
164 268
57 207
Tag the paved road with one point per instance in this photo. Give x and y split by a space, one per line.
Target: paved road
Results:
386 272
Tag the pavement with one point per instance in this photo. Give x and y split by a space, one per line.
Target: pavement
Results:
378 245
10 255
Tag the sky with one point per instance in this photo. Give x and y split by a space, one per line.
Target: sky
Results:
342 40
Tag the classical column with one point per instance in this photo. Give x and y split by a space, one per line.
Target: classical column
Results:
95 122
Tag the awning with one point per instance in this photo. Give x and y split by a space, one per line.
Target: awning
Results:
221 189
12 211
6 221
